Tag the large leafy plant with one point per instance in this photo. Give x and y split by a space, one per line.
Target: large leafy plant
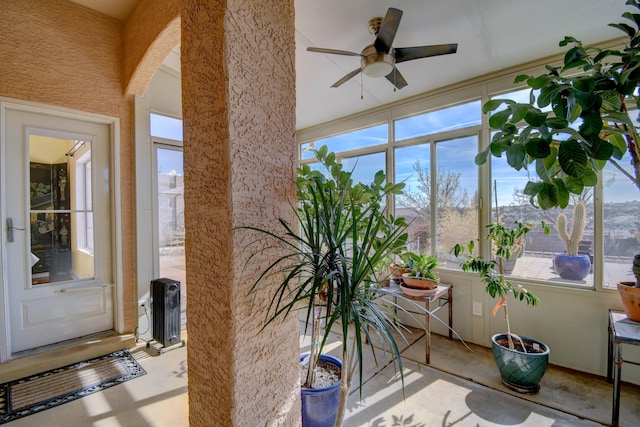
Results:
325 263
580 116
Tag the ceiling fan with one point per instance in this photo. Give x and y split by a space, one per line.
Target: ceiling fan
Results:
379 58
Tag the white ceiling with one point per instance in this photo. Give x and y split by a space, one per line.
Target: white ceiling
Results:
491 35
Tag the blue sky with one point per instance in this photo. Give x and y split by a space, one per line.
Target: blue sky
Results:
453 155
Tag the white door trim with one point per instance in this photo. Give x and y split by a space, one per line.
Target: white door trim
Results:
114 125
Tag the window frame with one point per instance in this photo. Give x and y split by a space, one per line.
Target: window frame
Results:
482 89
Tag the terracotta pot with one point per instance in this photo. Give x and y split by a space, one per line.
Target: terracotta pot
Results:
630 300
397 271
419 282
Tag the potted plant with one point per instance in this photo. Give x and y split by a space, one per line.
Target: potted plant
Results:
522 361
324 265
421 274
572 265
630 292
593 97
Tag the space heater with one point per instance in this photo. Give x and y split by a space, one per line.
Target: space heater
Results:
165 311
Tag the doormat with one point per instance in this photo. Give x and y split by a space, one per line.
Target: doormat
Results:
46 390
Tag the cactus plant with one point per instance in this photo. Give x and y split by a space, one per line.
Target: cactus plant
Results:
577 231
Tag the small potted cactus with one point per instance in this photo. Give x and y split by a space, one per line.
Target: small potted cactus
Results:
630 293
572 265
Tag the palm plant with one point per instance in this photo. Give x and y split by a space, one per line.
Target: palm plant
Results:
325 264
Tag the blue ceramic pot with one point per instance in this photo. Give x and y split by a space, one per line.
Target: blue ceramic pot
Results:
520 371
320 405
572 267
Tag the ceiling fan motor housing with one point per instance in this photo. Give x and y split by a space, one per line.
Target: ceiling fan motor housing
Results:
377 64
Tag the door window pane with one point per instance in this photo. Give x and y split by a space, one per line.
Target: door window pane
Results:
61 217
171 232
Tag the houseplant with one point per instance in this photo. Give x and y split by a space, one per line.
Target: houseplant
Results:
630 294
421 274
571 265
593 96
324 266
522 361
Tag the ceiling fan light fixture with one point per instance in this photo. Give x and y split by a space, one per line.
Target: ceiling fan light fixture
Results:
377 69
376 64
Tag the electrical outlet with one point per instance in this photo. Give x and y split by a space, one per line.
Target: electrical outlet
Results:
477 309
142 303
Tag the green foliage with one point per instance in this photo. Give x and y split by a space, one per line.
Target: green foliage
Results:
505 241
588 125
421 265
329 258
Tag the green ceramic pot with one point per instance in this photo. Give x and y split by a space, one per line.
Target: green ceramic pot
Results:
520 371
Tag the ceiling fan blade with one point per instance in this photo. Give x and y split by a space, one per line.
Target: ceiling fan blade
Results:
333 51
387 31
408 53
347 77
396 78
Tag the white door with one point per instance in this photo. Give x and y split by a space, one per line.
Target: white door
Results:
57 265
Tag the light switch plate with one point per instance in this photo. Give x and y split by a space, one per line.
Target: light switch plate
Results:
477 309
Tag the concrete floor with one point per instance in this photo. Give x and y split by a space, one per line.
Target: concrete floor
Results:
432 396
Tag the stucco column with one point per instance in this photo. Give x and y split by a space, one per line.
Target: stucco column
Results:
238 84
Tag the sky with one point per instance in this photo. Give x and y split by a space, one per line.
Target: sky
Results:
452 155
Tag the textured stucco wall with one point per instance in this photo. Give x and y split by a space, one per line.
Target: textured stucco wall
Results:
152 30
238 83
58 53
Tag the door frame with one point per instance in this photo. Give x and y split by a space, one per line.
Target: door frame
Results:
114 127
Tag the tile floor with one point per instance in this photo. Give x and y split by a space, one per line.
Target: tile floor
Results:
432 395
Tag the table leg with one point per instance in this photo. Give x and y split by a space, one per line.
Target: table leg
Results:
450 304
617 361
610 354
428 327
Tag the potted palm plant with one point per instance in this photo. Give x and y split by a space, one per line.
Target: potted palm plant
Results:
593 97
572 265
324 265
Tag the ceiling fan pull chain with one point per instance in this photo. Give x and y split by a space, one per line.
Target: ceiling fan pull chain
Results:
361 88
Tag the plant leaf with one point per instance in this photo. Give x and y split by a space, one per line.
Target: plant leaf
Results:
572 158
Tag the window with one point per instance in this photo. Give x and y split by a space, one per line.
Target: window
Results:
364 167
457 117
84 204
457 195
165 127
412 167
432 152
362 138
620 224
537 258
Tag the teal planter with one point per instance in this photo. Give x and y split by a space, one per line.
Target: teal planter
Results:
520 371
